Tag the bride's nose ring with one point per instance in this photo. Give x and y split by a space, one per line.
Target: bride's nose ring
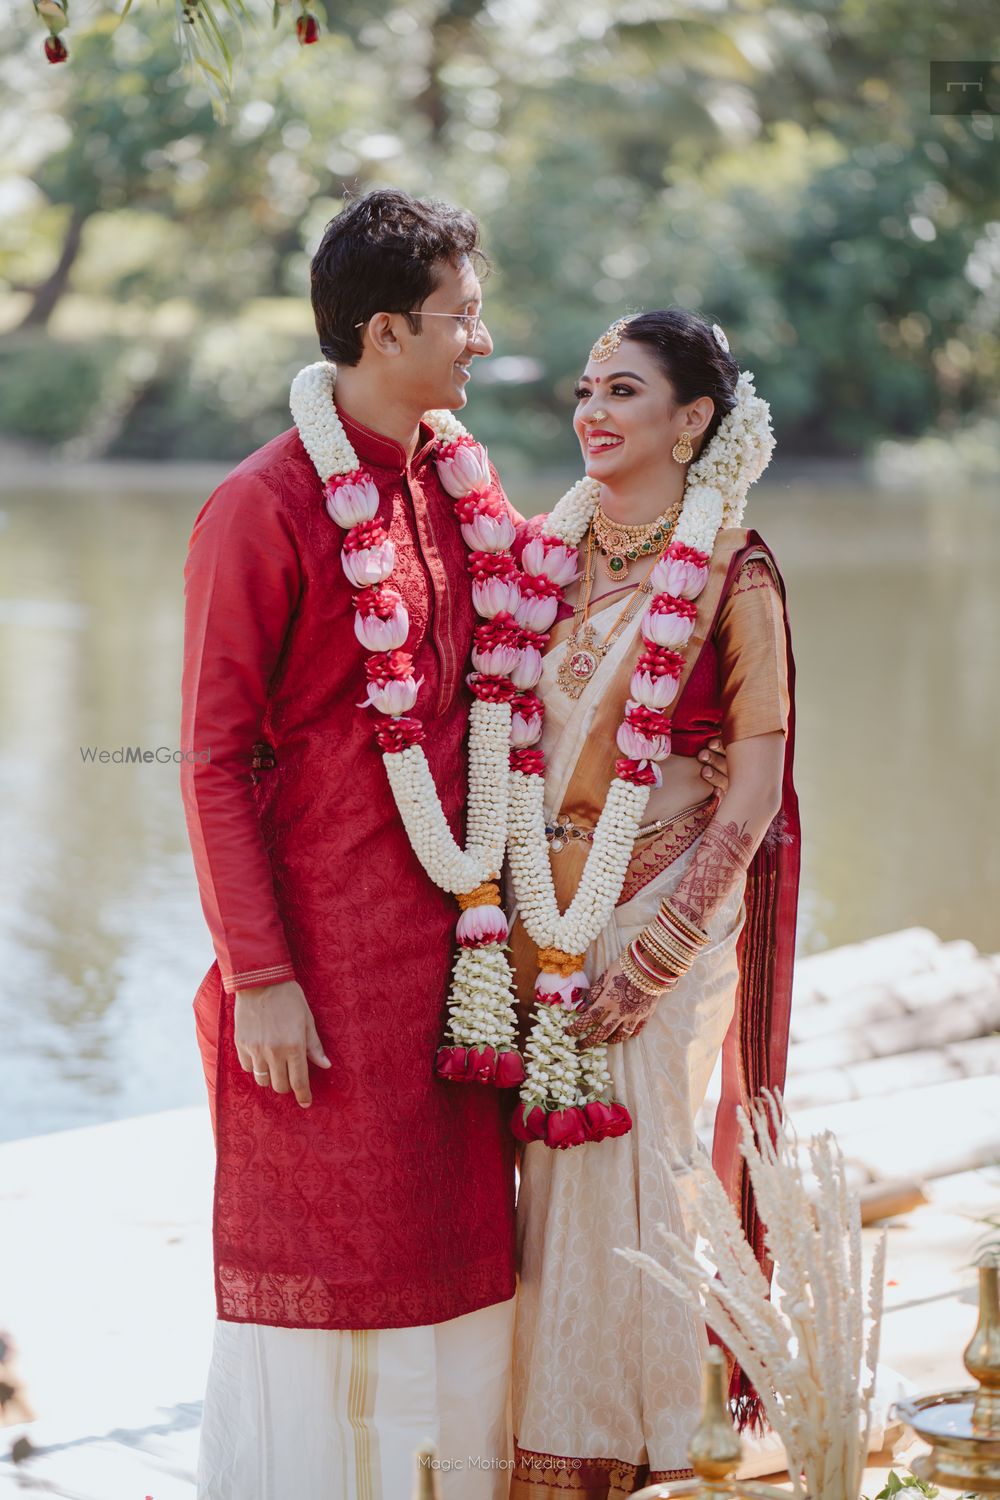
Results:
599 416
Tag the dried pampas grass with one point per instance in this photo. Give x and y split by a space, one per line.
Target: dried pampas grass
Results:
813 1361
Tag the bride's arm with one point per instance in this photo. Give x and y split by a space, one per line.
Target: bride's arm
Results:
619 1008
743 816
755 708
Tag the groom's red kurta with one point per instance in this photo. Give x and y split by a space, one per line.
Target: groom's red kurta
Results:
389 1202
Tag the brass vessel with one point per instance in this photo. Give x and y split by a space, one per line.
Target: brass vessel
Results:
963 1426
715 1450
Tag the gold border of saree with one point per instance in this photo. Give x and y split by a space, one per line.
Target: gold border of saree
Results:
551 1476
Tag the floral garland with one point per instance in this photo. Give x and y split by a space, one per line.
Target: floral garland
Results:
482 1045
566 1097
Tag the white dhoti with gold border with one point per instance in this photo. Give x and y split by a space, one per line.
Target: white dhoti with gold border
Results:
313 1414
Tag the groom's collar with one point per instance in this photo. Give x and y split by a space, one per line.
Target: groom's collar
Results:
385 453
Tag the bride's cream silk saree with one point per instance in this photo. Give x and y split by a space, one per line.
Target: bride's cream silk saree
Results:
606 1363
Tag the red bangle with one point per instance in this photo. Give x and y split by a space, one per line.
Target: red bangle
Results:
644 966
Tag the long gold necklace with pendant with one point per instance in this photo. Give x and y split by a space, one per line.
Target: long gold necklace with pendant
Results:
584 652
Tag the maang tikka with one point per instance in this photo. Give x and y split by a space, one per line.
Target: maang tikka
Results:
608 342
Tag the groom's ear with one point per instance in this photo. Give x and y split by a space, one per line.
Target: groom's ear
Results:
380 335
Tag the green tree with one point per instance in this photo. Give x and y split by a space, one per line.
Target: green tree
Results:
775 167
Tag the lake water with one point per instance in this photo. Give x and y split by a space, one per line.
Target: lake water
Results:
895 616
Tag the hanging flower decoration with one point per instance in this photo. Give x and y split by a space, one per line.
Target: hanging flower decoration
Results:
205 43
480 1044
55 15
307 29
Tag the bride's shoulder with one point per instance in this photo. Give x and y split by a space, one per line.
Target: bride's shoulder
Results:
729 540
752 564
733 539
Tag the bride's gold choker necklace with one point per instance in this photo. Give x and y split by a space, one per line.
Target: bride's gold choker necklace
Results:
622 545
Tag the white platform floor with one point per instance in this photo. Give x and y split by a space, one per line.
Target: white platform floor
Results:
106 1289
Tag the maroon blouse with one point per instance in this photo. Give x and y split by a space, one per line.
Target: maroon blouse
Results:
390 1201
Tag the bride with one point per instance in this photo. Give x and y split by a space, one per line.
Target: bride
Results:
679 905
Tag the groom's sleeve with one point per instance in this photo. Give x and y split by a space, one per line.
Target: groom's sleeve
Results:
242 581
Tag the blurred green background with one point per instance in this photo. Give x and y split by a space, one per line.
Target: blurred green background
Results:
776 166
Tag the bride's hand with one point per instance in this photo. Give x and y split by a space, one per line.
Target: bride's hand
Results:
615 1011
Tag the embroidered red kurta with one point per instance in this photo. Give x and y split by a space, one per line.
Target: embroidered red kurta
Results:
390 1201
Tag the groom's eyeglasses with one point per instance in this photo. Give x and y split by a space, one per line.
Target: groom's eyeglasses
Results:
471 322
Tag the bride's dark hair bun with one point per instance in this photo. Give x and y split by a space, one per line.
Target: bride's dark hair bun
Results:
691 357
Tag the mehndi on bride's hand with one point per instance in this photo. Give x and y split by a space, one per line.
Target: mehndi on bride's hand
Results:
615 1010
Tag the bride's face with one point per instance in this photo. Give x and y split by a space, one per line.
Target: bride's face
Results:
627 420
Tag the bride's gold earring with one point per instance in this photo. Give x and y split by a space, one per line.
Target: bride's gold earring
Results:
682 449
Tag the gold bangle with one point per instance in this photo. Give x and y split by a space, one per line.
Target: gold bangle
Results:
636 977
650 969
631 971
668 934
650 961
663 960
663 984
656 943
663 921
662 939
681 924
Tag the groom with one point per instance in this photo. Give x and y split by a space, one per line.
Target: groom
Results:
363 1224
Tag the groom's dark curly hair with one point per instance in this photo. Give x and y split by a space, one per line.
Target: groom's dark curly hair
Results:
380 254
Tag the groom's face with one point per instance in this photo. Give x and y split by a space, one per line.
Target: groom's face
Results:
436 362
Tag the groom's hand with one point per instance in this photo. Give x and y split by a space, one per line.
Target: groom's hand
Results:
715 766
276 1038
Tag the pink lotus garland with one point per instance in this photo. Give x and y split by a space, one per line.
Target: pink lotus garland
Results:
644 739
519 610
381 624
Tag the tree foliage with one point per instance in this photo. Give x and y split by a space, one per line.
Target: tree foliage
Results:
776 167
